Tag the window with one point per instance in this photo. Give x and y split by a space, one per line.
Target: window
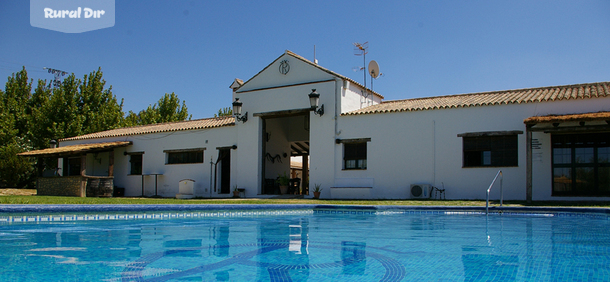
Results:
72 166
136 164
189 156
581 165
354 155
494 150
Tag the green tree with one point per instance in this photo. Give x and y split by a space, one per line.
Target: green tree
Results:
30 120
14 170
167 109
98 106
15 99
224 112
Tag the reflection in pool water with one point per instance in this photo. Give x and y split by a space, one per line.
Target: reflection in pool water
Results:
307 245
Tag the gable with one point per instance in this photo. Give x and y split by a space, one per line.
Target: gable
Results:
288 69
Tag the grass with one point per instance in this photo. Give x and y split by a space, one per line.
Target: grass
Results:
57 200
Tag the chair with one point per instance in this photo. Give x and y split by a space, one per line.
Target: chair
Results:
294 186
440 192
242 191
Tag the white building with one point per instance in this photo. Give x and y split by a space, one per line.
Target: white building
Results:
363 147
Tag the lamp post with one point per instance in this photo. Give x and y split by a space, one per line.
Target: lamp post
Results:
314 100
237 111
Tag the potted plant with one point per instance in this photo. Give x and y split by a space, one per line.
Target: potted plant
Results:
316 191
283 181
235 192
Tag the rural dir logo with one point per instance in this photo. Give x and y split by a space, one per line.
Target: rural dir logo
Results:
72 16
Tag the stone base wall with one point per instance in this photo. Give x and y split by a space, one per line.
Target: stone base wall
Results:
59 186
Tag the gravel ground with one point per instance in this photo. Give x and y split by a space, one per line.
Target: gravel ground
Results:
15 192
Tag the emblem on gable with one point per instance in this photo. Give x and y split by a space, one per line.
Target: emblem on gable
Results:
284 67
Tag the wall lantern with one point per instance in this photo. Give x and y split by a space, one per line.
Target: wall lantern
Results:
237 111
314 100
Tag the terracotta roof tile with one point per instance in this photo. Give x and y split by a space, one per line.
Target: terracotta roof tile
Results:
160 127
518 96
75 149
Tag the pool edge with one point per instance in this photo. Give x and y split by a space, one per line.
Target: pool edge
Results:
4 208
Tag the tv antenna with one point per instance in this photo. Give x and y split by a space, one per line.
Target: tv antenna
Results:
362 50
56 74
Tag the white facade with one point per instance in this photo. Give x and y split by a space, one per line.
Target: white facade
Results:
402 147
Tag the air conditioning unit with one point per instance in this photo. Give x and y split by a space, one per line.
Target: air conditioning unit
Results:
420 190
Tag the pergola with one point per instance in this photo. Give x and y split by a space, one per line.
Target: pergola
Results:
76 185
570 123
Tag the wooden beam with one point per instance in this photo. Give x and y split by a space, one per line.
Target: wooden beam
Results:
184 150
111 163
40 166
574 129
305 174
353 140
490 133
528 164
303 148
83 173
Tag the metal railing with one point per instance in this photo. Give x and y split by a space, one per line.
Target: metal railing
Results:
488 189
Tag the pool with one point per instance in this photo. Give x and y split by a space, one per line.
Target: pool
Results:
302 243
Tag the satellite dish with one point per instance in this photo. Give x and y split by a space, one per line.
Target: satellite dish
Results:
373 69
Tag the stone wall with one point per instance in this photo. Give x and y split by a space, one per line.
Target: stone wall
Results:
59 186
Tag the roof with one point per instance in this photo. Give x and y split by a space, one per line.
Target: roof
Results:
599 116
288 52
159 127
75 149
518 96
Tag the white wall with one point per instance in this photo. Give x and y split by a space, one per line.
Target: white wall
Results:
303 77
354 98
423 147
277 146
405 148
154 160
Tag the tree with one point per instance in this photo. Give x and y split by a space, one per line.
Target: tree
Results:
14 170
100 109
224 112
15 98
167 109
30 120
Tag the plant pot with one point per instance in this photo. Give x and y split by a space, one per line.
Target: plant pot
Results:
235 194
283 189
316 195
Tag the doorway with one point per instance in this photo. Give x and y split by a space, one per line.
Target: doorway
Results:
285 135
224 160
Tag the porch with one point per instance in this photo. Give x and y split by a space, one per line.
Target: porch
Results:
74 181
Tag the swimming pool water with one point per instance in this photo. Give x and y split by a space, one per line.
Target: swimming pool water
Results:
305 245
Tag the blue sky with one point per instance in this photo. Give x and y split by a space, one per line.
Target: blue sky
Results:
424 48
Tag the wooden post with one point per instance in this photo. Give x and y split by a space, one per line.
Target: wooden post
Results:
40 166
304 182
528 163
111 163
83 170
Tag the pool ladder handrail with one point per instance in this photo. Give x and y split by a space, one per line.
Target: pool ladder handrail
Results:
488 189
